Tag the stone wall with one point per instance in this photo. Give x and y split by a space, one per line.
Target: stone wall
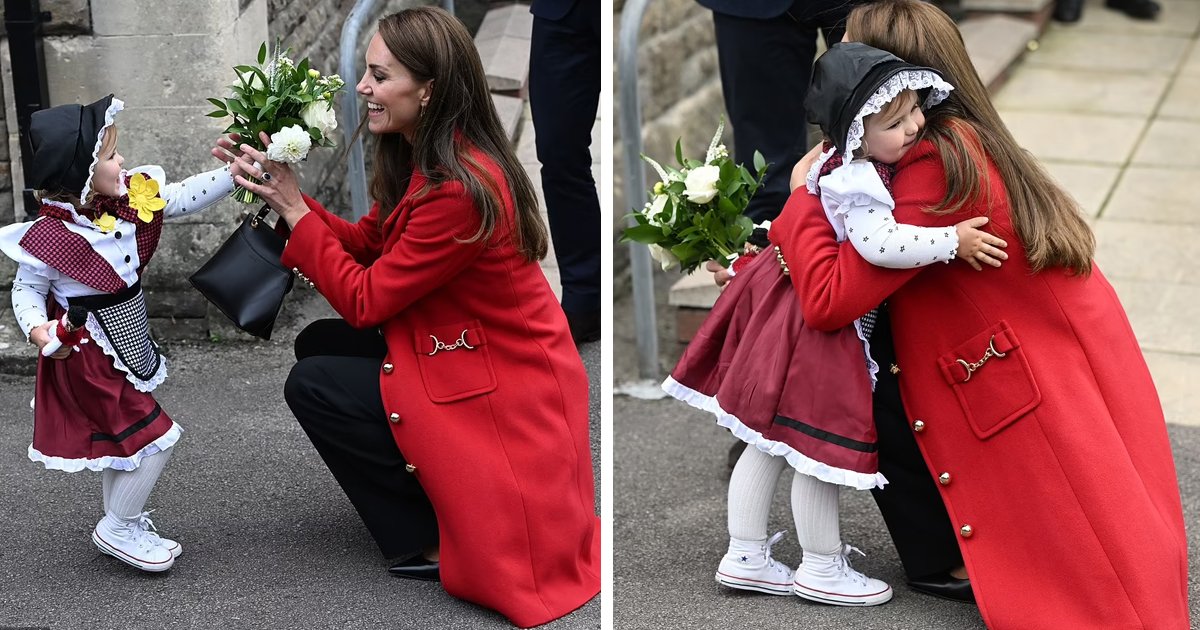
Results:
680 90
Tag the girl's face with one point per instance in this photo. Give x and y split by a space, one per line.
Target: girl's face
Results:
394 97
893 131
106 179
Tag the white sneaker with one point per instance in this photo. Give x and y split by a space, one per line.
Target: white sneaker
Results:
836 582
147 526
756 571
131 544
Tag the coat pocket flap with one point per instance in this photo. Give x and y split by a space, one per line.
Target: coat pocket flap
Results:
991 379
454 361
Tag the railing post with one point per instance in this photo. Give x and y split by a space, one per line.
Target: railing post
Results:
23 22
635 186
356 169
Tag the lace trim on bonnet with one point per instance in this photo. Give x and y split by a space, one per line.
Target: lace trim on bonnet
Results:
903 80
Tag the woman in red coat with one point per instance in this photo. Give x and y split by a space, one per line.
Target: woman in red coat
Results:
477 381
1029 396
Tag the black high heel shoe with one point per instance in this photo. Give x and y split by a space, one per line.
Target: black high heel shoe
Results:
416 568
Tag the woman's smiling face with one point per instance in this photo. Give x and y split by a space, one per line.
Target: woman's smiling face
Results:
394 97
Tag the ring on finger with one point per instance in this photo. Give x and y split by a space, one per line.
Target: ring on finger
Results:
266 176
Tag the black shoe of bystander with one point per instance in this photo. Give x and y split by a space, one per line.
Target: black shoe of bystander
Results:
1138 9
945 586
585 327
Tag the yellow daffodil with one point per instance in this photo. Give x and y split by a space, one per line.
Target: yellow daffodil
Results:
106 222
143 197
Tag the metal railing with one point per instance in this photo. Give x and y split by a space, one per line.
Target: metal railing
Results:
635 186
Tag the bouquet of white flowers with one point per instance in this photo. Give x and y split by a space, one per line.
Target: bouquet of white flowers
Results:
695 213
291 102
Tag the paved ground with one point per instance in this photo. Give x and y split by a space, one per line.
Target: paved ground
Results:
1109 106
270 540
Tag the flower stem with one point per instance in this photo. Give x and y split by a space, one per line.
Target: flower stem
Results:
245 196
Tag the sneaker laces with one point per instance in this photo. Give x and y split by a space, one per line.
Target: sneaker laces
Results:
778 536
146 526
846 569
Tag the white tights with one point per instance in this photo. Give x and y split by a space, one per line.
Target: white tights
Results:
126 491
814 503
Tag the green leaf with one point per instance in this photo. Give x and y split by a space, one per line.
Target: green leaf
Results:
219 104
679 151
727 206
314 133
760 163
262 53
648 234
302 68
236 107
217 114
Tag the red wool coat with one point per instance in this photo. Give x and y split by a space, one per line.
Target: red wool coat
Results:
485 391
1059 476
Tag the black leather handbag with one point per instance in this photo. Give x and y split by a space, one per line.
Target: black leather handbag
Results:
244 278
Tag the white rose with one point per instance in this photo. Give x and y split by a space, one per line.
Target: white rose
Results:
290 144
320 114
654 209
663 256
701 184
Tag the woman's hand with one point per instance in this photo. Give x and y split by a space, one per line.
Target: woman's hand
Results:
40 336
720 274
976 246
277 184
800 171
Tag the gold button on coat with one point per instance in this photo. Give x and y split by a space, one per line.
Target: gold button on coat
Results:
394 417
944 479
918 425
966 530
410 468
388 367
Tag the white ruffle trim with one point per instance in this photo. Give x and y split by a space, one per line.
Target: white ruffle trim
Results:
109 115
163 443
903 80
814 173
97 335
801 462
872 366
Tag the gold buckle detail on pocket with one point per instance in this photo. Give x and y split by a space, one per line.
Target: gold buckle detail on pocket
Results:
438 344
987 354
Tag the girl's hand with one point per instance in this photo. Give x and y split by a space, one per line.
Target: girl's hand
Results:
277 184
976 246
226 148
800 171
40 336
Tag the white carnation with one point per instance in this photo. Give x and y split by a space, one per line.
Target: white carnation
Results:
290 144
664 256
320 114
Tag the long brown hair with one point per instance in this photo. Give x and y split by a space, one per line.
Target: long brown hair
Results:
434 45
1048 220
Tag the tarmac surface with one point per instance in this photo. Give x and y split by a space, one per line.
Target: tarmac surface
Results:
270 540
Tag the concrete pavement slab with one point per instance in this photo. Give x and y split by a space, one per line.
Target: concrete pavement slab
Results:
1069 49
1170 143
1089 138
1079 91
1182 99
1150 252
1163 314
1178 18
1191 65
1175 378
1090 184
1156 194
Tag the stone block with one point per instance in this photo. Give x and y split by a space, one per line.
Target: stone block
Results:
509 109
125 17
695 290
67 16
513 21
1155 195
1053 89
994 43
1162 144
687 321
505 62
8 271
1090 184
180 252
1007 6
1106 139
1086 51
177 304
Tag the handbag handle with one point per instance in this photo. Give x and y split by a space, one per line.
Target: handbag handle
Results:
260 215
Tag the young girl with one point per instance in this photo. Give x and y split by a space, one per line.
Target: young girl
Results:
800 396
84 255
